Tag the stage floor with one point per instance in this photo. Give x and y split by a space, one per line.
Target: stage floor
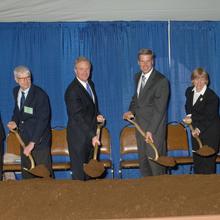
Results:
150 197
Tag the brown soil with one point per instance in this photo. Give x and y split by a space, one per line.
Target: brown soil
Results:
98 199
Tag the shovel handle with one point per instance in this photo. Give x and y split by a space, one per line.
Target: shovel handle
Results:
143 134
98 131
196 137
189 123
95 152
15 131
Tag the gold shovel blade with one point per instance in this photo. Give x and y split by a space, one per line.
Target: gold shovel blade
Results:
94 168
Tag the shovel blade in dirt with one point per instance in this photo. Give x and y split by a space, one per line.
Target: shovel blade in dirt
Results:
39 171
94 168
162 160
205 151
165 161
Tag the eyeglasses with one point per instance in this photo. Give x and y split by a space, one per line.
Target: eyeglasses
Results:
23 78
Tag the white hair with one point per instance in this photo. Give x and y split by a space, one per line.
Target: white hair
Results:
21 70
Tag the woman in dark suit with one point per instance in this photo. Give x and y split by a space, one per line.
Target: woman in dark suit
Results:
202 106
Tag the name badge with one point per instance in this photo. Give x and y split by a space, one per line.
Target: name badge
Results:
28 110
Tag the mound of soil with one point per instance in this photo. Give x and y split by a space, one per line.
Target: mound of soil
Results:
157 196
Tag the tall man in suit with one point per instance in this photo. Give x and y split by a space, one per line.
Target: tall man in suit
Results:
32 115
2 137
83 115
149 107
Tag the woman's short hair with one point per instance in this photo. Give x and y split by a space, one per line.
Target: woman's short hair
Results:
200 73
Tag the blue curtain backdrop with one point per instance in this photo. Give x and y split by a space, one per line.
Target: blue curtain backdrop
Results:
193 44
49 50
112 48
37 46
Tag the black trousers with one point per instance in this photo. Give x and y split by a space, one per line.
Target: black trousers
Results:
1 159
205 165
79 155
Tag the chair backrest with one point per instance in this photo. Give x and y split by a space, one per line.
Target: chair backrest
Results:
177 138
59 144
12 144
128 143
105 141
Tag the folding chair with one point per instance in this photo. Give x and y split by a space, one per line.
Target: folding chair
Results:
59 149
178 145
105 150
128 150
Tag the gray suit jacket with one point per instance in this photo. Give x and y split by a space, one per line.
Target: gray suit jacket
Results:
150 107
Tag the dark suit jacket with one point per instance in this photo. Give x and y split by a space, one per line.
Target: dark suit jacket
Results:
205 116
2 131
151 106
82 114
81 127
33 120
2 137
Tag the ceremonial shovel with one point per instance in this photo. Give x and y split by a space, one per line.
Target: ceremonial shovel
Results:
95 168
204 150
39 170
162 160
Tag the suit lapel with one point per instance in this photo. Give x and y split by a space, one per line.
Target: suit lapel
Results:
148 84
29 96
191 98
27 99
16 96
198 101
84 90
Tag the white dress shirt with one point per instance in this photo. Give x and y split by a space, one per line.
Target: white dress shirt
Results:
197 94
84 85
20 94
146 77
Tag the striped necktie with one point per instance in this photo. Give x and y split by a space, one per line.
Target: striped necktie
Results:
143 78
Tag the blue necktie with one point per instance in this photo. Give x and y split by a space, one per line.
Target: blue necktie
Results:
22 100
88 89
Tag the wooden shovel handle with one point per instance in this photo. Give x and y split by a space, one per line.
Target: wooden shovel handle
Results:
98 131
15 131
196 137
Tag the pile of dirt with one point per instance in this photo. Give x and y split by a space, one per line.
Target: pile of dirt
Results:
158 196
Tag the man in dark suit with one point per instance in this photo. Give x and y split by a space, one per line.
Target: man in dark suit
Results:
83 115
2 137
32 115
202 106
149 107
